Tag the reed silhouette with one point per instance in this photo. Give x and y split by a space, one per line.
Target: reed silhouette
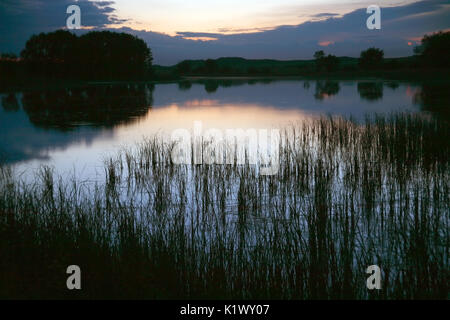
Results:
347 196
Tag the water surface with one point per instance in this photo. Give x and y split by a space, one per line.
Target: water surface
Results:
73 129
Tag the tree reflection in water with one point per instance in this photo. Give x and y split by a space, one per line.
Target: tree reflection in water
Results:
98 106
370 91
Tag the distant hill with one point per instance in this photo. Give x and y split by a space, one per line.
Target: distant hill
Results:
235 66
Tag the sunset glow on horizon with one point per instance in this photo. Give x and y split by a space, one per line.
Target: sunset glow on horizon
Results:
234 16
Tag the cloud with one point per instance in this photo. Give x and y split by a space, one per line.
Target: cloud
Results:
343 36
19 19
325 15
244 30
325 43
199 35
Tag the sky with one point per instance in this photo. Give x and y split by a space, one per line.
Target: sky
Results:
231 16
256 29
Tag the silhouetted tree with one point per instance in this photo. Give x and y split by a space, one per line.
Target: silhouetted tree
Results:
252 71
331 63
10 103
8 56
183 67
328 63
318 55
51 46
435 49
211 66
371 58
267 70
114 55
95 55
50 54
226 70
10 68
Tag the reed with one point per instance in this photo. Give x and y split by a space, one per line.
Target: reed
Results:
347 196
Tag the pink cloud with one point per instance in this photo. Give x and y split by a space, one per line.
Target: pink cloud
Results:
325 43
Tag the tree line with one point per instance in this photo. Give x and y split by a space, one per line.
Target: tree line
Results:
105 55
97 55
370 59
432 53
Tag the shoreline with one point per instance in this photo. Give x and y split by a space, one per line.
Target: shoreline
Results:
411 77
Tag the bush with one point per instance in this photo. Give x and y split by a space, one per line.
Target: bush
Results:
371 58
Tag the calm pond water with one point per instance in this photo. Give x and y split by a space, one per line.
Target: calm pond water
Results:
73 129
